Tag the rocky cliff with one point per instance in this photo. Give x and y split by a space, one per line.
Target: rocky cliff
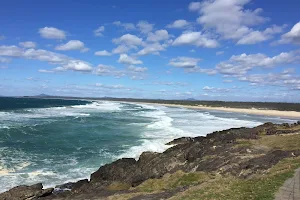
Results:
242 153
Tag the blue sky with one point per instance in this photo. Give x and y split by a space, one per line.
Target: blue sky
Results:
209 50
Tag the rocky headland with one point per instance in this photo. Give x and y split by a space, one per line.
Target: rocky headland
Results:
239 163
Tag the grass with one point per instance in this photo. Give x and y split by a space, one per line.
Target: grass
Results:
283 142
171 181
261 187
115 186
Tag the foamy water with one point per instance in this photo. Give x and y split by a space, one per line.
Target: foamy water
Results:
56 145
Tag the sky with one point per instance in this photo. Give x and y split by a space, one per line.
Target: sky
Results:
232 50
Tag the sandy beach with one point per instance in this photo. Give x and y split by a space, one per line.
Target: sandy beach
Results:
253 111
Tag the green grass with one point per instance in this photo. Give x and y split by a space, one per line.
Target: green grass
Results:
171 181
261 187
283 142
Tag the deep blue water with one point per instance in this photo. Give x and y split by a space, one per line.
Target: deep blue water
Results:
56 141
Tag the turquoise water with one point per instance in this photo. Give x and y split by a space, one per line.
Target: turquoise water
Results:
56 141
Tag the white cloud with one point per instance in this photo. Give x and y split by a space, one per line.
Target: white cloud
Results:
231 20
64 62
45 71
184 62
284 79
78 65
126 26
27 44
137 69
180 23
158 36
194 6
126 42
72 45
129 40
99 31
145 27
216 90
106 70
218 53
195 39
125 59
153 48
293 36
254 37
121 49
241 64
102 53
52 33
110 86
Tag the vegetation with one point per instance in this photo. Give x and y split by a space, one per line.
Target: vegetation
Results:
261 187
171 181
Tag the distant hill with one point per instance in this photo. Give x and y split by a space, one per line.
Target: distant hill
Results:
43 95
191 99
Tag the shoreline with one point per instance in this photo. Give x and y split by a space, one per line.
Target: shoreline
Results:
253 111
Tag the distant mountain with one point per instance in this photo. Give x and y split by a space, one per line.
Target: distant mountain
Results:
191 99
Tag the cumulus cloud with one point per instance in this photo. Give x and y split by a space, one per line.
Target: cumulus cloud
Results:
107 70
64 62
232 20
99 31
241 64
122 49
255 37
284 79
184 62
137 69
72 45
52 33
293 36
126 42
126 26
180 24
129 40
28 44
195 39
216 90
158 36
125 59
77 65
102 53
153 48
228 18
145 27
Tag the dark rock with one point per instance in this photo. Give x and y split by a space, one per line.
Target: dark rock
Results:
180 141
26 192
76 186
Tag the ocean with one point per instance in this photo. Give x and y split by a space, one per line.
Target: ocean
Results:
55 141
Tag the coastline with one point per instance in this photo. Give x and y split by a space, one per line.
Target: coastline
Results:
253 111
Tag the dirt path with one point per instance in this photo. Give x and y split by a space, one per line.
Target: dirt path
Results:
290 189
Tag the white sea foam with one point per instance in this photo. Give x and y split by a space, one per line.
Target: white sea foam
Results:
100 105
171 123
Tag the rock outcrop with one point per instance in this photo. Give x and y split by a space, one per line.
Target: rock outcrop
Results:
221 152
26 192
